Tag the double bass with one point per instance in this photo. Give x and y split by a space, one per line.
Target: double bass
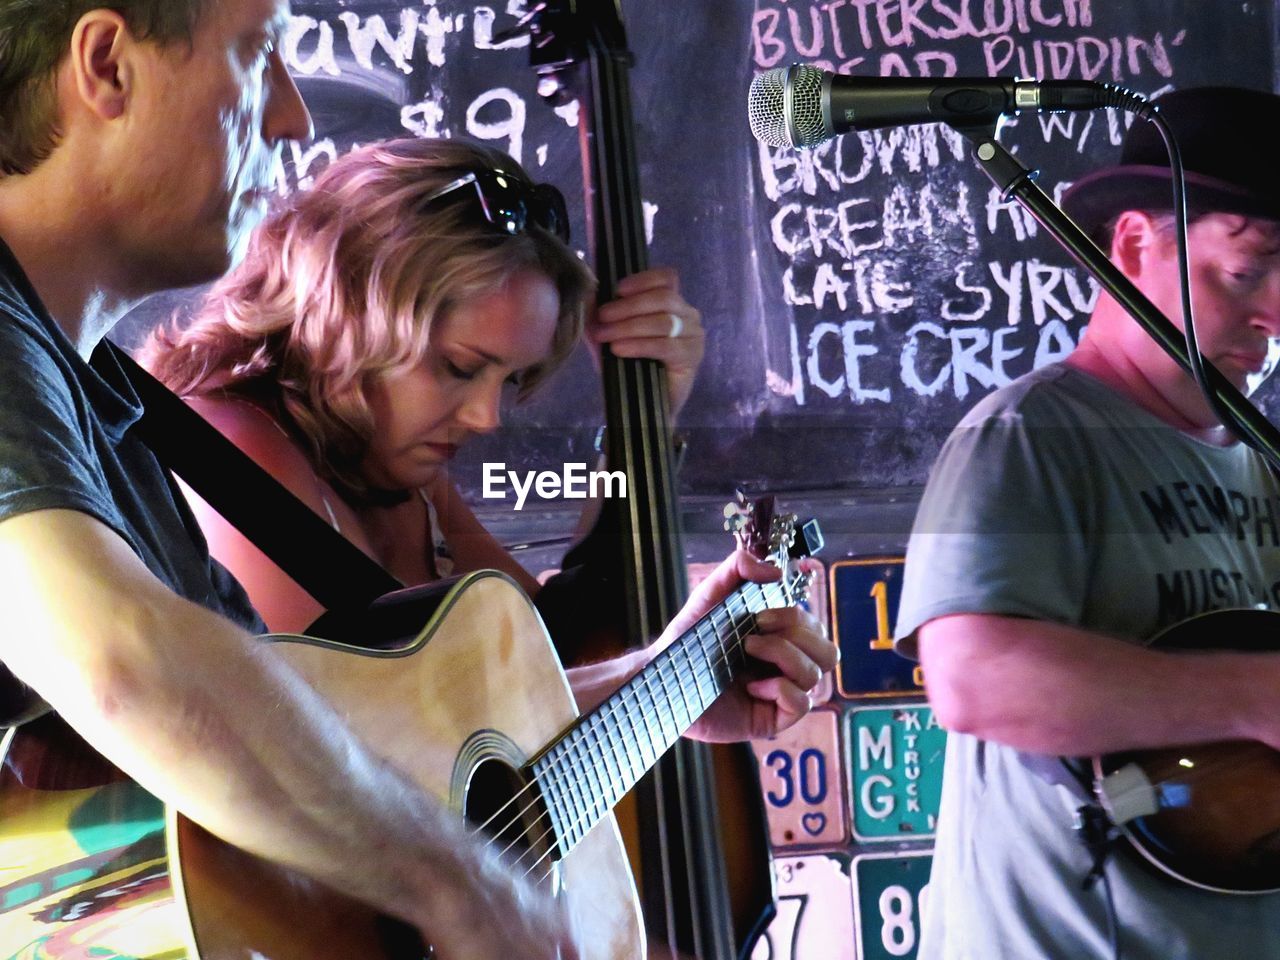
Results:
579 48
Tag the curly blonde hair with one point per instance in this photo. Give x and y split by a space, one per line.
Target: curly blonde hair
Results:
341 286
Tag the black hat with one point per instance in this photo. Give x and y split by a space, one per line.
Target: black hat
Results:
1224 134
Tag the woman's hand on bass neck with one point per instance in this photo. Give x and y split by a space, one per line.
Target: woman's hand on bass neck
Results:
650 319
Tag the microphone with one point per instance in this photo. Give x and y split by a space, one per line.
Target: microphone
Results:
802 106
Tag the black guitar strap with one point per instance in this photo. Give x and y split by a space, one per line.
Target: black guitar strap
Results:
334 571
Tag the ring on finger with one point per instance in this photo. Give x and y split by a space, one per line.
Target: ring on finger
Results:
677 326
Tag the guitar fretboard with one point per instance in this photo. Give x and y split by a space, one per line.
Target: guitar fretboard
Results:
589 769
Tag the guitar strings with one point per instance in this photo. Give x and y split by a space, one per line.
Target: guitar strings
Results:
572 757
593 811
597 808
590 813
737 643
562 776
622 704
599 716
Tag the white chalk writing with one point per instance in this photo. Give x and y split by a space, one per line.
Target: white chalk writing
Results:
906 274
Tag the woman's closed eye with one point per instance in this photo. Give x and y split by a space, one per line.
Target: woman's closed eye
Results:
467 371
460 372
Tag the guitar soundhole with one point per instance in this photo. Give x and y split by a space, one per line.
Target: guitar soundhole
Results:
511 813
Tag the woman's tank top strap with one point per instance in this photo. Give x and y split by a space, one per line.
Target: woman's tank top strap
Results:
441 555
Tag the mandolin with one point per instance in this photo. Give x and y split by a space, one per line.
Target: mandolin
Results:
1209 814
91 865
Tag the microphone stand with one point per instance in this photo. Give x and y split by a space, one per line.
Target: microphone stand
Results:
1018 182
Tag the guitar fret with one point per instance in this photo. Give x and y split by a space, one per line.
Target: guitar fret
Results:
553 798
652 717
648 756
602 780
616 702
628 699
666 668
698 669
676 657
688 716
743 625
724 654
710 675
587 800
720 668
576 800
655 705
617 778
590 781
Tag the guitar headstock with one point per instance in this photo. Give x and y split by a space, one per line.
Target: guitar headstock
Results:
749 521
780 539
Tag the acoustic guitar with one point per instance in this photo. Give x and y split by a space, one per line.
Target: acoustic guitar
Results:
473 706
1207 814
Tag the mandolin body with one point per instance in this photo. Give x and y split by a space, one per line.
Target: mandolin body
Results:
1210 813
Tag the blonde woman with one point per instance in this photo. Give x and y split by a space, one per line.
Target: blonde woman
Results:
374 327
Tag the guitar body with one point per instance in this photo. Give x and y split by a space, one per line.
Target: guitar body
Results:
1208 814
93 866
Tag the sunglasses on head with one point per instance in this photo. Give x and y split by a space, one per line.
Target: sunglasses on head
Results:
510 203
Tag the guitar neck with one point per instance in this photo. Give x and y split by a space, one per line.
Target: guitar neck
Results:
584 773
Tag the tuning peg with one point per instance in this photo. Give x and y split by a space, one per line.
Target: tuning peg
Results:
806 585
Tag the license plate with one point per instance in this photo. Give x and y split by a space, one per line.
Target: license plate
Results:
815 911
891 892
895 759
864 604
803 783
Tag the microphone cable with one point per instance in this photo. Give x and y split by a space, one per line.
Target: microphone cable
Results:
1097 833
1225 414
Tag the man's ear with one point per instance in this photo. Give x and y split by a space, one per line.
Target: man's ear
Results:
101 71
1134 240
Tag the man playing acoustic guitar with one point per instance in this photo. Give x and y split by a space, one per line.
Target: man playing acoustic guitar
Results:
138 143
1070 517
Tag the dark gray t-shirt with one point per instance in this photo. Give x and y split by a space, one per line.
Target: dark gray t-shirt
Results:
66 443
1057 498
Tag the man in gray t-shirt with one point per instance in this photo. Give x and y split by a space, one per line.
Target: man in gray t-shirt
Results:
1069 518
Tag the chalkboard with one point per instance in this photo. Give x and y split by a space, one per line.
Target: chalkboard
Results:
899 289
859 297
